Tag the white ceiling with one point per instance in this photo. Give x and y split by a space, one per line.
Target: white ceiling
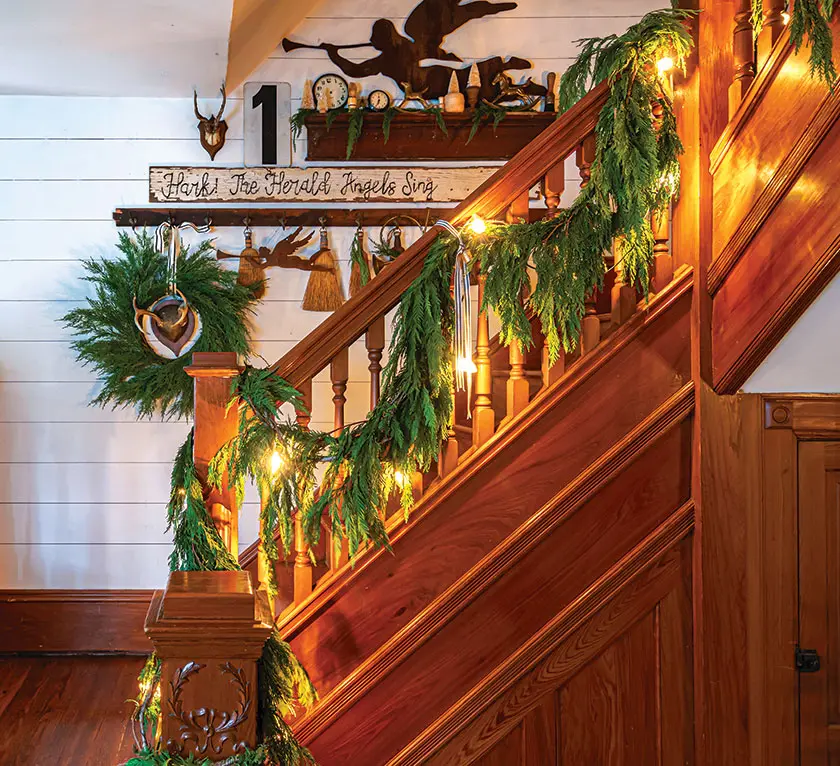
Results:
113 47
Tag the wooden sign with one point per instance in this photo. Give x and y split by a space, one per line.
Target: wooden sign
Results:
316 184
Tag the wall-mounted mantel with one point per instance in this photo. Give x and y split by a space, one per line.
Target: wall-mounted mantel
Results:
416 137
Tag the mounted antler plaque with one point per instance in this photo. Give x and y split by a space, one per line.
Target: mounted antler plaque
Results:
211 129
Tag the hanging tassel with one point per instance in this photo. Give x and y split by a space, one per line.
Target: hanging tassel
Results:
323 290
360 271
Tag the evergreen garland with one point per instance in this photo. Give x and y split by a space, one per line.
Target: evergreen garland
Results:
811 19
107 340
484 113
285 488
634 173
406 428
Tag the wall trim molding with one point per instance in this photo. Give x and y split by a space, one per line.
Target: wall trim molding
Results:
637 569
780 321
74 621
779 185
487 571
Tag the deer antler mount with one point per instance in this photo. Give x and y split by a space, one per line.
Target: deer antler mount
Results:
211 130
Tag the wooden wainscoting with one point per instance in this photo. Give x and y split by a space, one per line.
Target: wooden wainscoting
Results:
749 572
78 621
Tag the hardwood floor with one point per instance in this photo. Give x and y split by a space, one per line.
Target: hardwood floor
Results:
66 710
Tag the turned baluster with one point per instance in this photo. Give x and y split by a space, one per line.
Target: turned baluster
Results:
623 296
483 417
552 187
663 265
375 343
519 209
303 573
448 458
339 372
517 384
744 54
590 324
772 26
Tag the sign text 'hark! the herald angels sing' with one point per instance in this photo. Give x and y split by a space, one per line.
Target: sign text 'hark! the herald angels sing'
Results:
316 184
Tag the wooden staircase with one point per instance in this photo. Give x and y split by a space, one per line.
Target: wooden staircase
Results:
540 604
555 522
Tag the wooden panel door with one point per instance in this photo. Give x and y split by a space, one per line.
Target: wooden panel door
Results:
819 601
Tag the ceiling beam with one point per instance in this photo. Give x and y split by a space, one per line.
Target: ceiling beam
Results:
256 29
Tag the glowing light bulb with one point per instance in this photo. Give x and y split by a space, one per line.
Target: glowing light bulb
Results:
466 365
400 478
665 64
785 18
276 462
477 225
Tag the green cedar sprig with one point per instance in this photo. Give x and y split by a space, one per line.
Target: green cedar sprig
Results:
197 544
354 129
358 259
484 113
106 339
635 172
406 428
298 121
387 118
810 18
259 394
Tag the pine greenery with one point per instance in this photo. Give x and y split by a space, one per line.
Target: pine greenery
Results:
107 340
358 259
259 394
355 122
406 428
634 173
484 113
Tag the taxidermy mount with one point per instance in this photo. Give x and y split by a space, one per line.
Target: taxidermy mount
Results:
400 55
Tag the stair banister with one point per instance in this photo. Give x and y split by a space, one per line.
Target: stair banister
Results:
490 200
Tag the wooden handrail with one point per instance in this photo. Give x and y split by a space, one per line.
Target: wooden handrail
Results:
492 198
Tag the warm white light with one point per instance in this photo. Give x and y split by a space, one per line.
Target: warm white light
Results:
466 365
400 478
665 64
276 462
785 18
477 225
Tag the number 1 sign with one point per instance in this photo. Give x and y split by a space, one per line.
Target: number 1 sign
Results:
268 107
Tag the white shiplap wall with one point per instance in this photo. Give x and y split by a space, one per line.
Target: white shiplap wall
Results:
82 490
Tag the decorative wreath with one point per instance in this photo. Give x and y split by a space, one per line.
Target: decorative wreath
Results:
110 338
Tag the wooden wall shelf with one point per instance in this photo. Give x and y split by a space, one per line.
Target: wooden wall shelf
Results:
225 216
417 137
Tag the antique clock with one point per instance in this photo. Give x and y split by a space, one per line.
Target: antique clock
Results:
333 88
379 100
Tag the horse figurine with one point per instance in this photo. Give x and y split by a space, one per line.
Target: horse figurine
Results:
510 92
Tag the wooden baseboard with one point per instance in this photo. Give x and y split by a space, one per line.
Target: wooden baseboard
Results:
74 621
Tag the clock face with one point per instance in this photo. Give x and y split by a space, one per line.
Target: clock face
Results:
379 100
333 88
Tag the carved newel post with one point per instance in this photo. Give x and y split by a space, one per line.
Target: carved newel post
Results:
208 628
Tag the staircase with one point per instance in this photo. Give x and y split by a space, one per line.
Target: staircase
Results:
550 544
538 607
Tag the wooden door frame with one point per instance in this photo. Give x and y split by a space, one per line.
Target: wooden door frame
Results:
772 585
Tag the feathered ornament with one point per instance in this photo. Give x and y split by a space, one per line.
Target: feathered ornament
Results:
323 291
360 271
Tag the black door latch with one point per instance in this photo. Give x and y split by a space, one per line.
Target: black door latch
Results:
806 660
